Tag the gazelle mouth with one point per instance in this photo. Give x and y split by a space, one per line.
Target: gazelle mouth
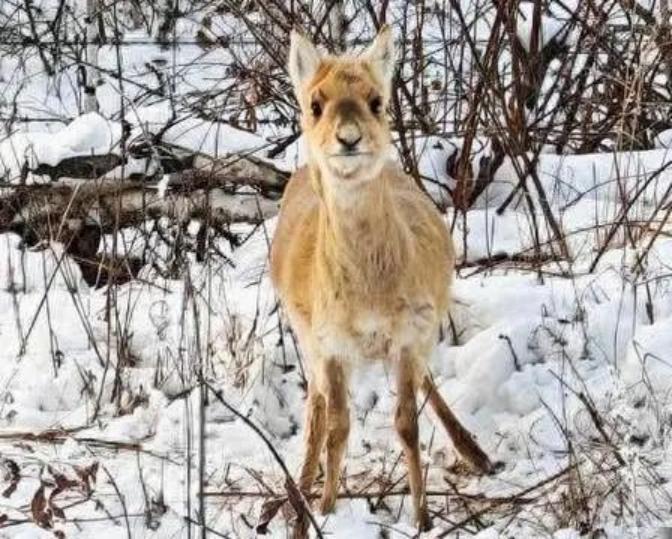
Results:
350 154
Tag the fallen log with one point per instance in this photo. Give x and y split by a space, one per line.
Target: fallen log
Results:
229 190
77 212
118 206
90 166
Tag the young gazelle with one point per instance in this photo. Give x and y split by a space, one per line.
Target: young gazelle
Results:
361 260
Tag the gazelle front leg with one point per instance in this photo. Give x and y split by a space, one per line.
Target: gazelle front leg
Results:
314 442
338 428
406 423
315 434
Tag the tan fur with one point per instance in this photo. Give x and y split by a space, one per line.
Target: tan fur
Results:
361 260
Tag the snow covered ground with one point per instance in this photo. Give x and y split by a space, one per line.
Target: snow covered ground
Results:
559 372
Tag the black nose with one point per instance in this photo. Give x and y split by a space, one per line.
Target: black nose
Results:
349 144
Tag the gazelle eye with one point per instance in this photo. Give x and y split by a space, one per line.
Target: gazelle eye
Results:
316 108
376 105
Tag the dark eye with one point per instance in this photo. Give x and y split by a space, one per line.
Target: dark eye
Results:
316 108
376 105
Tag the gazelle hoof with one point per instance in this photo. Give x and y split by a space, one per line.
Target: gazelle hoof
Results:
425 522
327 504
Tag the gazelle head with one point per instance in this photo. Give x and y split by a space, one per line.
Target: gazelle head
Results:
343 101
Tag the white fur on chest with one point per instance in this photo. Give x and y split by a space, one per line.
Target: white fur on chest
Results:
372 335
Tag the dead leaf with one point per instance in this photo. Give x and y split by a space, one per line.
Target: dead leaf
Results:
57 511
13 475
268 512
38 507
88 476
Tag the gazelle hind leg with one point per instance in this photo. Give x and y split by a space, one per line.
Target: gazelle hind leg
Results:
462 438
338 428
406 424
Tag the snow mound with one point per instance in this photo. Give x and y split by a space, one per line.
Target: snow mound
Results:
648 361
89 134
195 134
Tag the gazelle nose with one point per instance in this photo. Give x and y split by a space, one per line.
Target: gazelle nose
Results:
349 136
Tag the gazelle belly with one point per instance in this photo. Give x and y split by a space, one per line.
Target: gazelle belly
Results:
375 334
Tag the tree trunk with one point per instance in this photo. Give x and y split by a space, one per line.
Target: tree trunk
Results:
92 46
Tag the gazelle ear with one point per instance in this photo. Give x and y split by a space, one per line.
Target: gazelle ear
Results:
304 59
382 56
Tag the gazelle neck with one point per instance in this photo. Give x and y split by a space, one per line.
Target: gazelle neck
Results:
360 236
